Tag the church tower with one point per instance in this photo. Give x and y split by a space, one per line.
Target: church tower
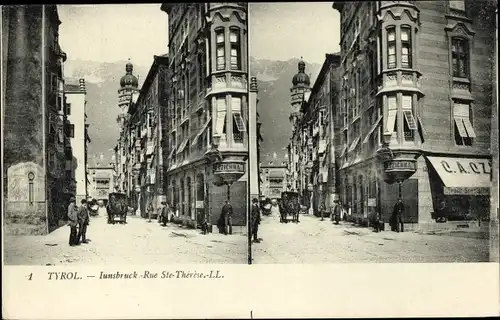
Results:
128 85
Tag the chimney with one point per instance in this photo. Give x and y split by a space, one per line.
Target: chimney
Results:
82 85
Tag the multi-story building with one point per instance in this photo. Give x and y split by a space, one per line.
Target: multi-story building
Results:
274 179
315 128
77 131
101 181
37 184
300 146
125 150
208 104
145 135
416 88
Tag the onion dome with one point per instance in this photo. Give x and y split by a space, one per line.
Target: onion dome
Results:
129 80
301 78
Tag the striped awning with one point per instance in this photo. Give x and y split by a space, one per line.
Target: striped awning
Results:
372 129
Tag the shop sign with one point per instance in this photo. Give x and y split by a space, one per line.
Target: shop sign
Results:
400 165
470 191
229 167
466 166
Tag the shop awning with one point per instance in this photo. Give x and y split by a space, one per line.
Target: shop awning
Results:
372 129
182 145
463 176
203 128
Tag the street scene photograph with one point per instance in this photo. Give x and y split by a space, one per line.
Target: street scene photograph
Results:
125 134
377 131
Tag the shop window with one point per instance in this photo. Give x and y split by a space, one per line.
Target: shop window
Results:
406 61
464 131
410 125
234 39
391 48
460 57
220 49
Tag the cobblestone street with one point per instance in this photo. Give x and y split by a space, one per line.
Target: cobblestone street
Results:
315 241
137 242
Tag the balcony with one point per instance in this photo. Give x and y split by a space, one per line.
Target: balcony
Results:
409 135
238 137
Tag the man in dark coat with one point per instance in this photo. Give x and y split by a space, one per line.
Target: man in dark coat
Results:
227 216
255 219
337 209
83 221
398 212
73 222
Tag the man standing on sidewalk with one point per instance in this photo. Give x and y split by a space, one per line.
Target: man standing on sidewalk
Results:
72 222
83 221
255 219
399 209
227 214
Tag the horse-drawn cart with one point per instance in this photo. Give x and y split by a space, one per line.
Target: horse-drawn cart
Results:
117 208
290 206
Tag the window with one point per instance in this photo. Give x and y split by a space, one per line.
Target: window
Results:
460 57
67 109
391 48
201 67
392 110
234 38
71 130
406 61
373 72
409 124
457 5
464 132
221 116
236 110
220 48
54 85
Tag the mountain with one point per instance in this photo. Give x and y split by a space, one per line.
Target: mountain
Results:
102 81
274 80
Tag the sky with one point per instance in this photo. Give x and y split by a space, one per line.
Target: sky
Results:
110 33
285 30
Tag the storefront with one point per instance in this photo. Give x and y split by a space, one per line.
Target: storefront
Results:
460 188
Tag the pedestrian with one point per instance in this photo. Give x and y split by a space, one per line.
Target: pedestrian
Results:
227 214
336 212
159 212
166 213
150 210
341 212
397 213
73 222
255 220
83 221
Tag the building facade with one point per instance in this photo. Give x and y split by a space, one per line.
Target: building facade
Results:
101 181
300 146
207 160
415 99
77 131
274 180
316 131
37 181
127 172
145 132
